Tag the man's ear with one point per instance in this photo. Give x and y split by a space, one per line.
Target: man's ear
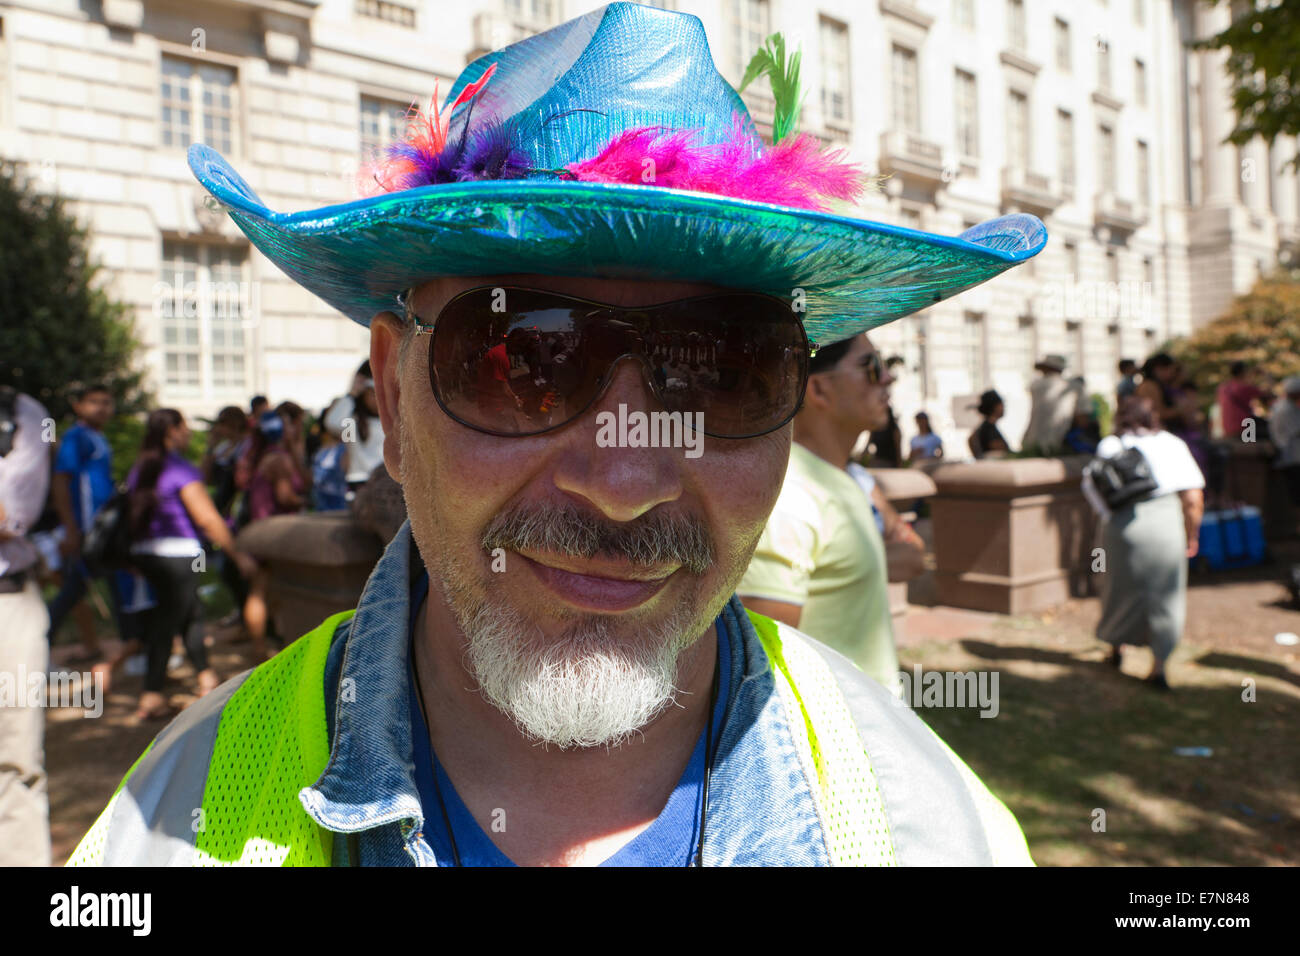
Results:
817 392
386 331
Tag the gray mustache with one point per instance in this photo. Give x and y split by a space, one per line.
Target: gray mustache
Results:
649 540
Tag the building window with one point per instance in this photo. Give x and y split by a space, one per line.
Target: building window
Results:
1018 138
203 296
1140 82
1103 64
1065 146
1140 12
1074 363
4 76
397 13
1016 38
1062 35
1112 266
835 71
1148 272
1116 336
916 350
539 14
1144 173
1106 157
973 325
1072 259
907 99
910 217
1026 347
751 22
967 109
963 12
382 122
198 104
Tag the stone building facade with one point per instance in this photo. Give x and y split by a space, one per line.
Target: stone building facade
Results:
1093 116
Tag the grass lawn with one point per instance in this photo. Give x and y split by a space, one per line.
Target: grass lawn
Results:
1073 737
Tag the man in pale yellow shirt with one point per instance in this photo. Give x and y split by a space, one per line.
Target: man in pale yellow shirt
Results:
820 563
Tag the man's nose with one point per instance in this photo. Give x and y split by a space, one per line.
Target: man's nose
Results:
622 478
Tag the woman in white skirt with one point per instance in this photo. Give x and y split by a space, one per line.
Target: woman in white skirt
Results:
1147 543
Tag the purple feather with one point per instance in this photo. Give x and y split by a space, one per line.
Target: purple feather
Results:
492 153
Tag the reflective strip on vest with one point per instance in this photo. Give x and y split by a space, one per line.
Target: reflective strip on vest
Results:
247 812
845 789
257 819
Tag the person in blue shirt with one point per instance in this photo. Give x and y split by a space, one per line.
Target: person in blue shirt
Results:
82 483
329 484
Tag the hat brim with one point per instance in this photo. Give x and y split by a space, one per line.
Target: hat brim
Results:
855 274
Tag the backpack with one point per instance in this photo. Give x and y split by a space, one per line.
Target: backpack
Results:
1122 480
107 545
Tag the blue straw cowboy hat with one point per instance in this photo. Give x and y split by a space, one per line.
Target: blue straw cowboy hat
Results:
547 115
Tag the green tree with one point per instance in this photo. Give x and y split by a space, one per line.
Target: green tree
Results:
58 327
1261 328
1264 66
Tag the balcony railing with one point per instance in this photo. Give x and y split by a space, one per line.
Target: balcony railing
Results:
911 155
1023 187
1119 213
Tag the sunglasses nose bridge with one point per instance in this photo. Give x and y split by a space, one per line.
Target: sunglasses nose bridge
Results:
647 374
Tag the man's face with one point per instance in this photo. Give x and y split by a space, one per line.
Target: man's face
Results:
95 409
852 400
577 574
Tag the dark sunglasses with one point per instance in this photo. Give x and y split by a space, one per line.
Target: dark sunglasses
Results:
871 365
512 362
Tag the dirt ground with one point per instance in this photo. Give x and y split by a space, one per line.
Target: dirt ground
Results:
1072 736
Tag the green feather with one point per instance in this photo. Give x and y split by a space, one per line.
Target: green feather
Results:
770 61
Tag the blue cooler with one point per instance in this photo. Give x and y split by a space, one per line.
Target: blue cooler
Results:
1232 539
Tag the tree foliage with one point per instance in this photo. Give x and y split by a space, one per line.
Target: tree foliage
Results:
1264 67
58 327
1261 328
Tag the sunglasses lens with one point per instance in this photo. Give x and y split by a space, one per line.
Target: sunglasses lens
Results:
509 361
521 362
739 360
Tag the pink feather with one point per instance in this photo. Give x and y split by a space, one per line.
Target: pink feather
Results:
795 172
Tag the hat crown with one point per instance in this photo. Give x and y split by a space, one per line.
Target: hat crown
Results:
619 67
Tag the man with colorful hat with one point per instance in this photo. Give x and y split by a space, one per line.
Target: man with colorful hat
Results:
549 665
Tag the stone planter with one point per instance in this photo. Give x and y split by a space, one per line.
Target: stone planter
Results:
319 562
1252 478
902 487
1011 535
318 566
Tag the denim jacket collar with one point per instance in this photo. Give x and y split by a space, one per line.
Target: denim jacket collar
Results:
760 808
370 777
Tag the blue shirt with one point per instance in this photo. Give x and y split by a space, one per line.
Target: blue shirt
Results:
329 484
671 840
86 458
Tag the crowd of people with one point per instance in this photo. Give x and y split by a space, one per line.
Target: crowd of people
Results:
1159 411
257 462
1065 419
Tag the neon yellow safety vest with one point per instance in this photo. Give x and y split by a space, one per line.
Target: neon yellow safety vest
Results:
272 741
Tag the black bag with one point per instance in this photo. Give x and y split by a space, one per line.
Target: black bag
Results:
1122 480
107 545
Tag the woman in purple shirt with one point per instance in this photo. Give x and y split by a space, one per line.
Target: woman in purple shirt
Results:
169 507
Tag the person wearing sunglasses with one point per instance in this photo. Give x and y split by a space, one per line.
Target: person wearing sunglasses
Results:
549 664
820 564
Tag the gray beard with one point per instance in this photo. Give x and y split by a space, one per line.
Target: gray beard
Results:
585 687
